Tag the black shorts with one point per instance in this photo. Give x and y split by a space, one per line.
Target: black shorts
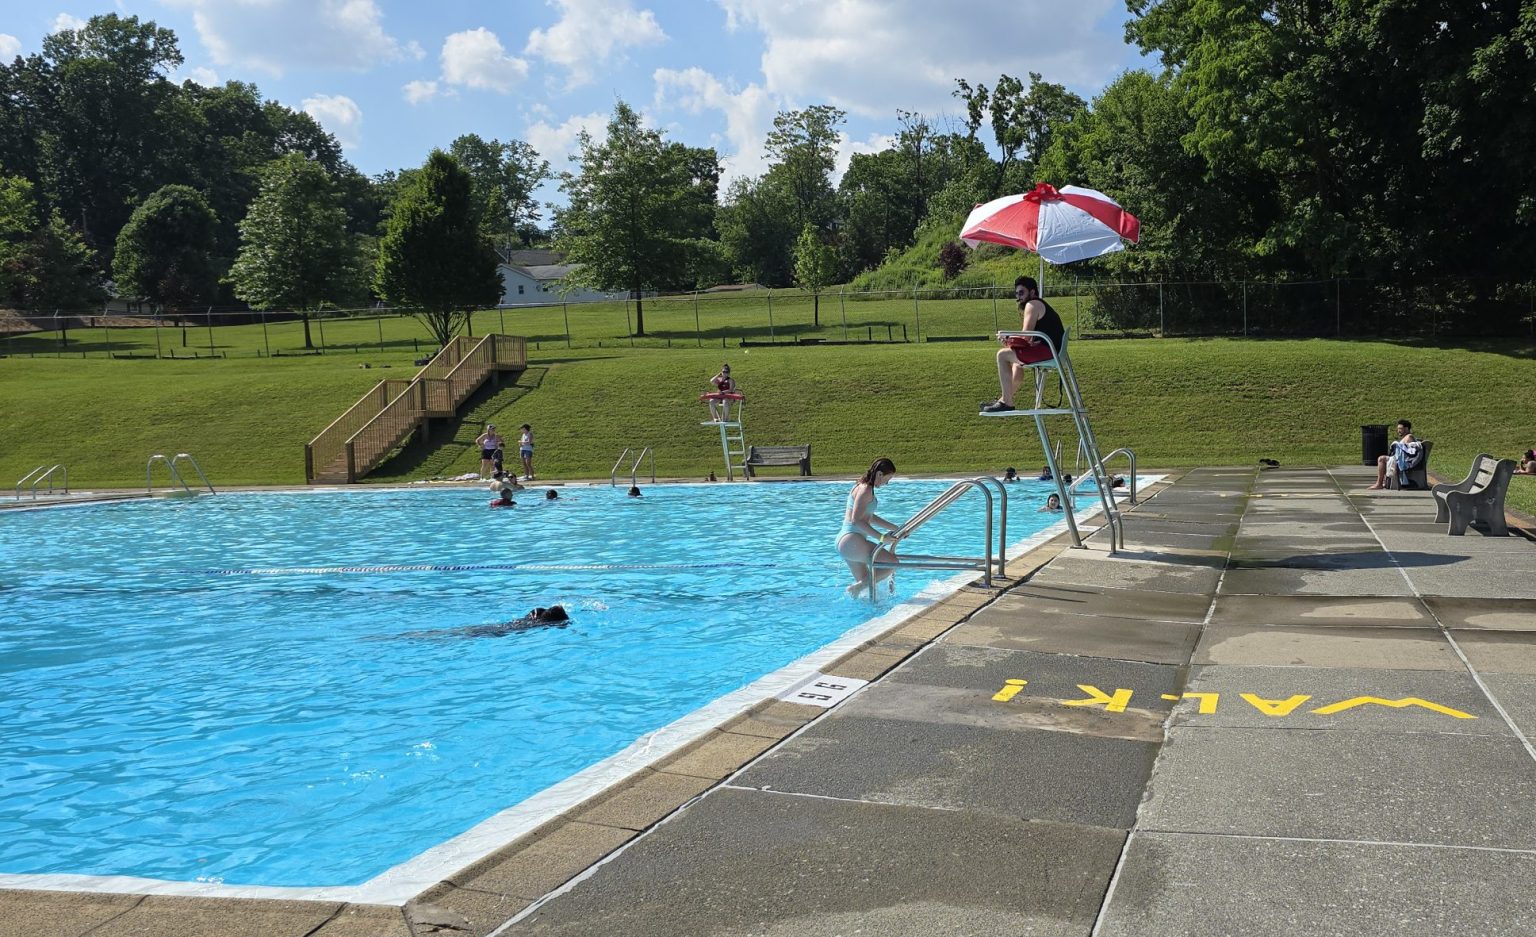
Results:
488 454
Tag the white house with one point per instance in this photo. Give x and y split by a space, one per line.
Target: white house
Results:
529 277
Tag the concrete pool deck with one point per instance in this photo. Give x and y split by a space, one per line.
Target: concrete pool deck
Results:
1289 706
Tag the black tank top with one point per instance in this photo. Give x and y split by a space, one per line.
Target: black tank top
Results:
1050 324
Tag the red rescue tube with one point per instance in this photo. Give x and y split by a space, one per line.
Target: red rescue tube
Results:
723 395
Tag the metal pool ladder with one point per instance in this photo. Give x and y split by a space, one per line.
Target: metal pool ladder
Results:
170 464
634 470
986 562
43 473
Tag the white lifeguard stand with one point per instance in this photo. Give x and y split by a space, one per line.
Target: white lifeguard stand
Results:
1073 407
733 440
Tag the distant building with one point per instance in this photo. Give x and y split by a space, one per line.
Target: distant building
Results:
538 276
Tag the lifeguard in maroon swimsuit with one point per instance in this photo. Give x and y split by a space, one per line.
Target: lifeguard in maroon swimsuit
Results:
1022 350
720 399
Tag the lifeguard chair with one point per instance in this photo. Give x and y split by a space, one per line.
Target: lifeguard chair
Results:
733 440
1070 404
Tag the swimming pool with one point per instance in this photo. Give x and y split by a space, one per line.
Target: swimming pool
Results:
277 689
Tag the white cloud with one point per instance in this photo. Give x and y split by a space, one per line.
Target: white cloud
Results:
275 35
557 144
206 77
65 21
871 57
590 32
475 58
748 115
10 47
419 91
338 114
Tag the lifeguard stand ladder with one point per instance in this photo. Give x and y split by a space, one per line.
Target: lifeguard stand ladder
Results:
1062 365
733 440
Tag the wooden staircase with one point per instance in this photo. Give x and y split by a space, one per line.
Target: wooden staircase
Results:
386 416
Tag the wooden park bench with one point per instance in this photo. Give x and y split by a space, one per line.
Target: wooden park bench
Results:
1477 499
1418 476
777 455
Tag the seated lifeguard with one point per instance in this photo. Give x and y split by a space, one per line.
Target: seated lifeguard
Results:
720 398
1036 315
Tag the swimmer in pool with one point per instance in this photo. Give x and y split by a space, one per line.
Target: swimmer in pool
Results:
553 617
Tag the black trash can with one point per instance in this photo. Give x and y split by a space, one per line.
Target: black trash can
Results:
1373 442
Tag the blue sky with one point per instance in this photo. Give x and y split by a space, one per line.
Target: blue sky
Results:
394 78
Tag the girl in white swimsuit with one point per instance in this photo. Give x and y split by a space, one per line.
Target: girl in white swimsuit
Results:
861 535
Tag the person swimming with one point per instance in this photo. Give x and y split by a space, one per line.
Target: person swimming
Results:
553 617
1052 503
551 495
634 491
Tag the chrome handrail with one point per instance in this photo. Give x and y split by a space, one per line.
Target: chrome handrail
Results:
635 469
613 477
1130 456
170 464
41 474
149 466
926 513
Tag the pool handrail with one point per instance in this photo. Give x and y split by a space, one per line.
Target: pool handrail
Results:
41 474
926 513
634 470
613 476
170 464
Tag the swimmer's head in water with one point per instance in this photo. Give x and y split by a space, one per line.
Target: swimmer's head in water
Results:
551 495
634 491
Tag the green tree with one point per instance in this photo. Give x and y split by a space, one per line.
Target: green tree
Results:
803 149
639 209
295 252
815 267
102 104
434 257
754 226
1022 121
504 176
165 251
47 266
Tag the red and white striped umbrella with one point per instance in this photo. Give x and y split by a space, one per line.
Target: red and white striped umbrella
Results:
1073 223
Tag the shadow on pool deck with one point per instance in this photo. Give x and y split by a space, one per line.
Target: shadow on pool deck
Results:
1289 707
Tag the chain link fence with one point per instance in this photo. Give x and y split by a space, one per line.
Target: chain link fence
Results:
1337 308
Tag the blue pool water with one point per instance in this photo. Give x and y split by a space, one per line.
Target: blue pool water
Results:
224 689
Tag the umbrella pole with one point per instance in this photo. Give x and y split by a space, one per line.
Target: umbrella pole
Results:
1042 275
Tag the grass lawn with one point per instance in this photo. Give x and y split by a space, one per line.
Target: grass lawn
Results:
1176 402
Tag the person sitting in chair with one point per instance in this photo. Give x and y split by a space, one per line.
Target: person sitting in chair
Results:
1402 456
1526 464
1036 315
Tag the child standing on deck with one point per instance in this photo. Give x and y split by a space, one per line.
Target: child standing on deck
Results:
525 449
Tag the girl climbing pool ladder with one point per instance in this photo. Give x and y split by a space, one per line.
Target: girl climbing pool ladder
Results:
1074 407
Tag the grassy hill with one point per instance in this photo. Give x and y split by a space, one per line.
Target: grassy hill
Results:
1176 402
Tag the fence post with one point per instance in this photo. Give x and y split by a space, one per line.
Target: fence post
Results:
843 308
209 321
157 337
1162 320
566 313
1338 309
378 321
995 326
106 331
501 318
770 316
1245 308
698 330
917 317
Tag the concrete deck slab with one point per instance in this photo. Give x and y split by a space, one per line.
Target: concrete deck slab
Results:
1216 886
164 916
1122 573
1085 635
987 670
1322 611
1118 603
742 862
1448 790
1289 697
26 913
1517 694
1484 613
1479 577
1433 538
1335 646
1328 582
1025 773
1499 651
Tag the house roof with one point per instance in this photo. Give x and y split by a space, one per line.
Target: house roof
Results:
546 272
534 258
